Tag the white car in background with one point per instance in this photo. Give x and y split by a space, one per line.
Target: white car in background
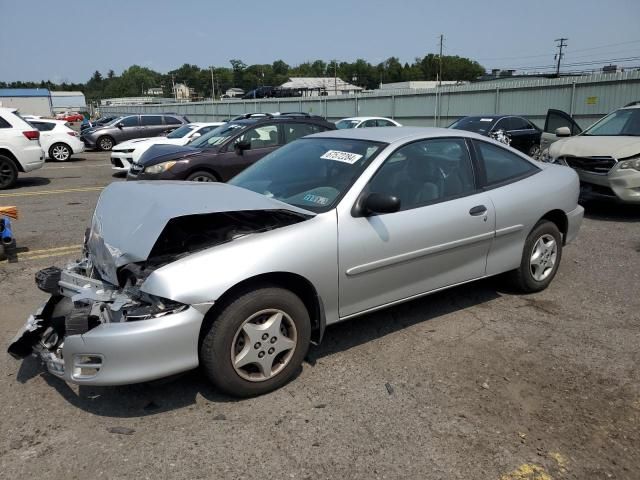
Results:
58 141
365 122
20 149
126 153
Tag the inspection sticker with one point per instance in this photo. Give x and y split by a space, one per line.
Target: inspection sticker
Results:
339 156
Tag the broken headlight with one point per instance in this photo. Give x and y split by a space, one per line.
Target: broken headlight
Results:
153 307
160 167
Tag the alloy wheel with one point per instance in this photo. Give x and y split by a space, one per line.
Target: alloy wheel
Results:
60 153
6 174
543 257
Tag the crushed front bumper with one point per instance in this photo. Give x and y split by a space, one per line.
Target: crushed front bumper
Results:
111 352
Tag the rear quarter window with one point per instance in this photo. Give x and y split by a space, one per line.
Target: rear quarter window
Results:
502 166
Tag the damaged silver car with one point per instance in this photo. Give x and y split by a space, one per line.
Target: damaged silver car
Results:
240 278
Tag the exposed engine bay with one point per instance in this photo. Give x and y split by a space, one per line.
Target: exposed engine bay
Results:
82 298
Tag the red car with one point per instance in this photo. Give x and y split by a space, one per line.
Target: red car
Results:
71 117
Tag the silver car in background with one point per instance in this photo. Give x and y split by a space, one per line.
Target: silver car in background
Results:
240 278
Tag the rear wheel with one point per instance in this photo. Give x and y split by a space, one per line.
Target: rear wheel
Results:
202 177
60 152
534 151
540 258
8 173
257 343
105 143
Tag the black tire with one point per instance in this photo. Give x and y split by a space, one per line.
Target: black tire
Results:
523 277
8 173
219 338
60 152
202 176
105 143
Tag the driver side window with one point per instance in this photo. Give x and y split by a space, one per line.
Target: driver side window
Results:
426 172
263 136
130 121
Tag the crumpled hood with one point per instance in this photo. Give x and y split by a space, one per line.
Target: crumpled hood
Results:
130 216
596 146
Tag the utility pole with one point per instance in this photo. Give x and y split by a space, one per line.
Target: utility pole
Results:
440 61
559 55
213 86
335 77
436 120
173 87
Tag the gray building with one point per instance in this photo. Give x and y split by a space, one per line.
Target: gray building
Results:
28 101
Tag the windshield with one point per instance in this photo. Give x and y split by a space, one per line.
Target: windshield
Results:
621 122
342 124
474 124
310 173
217 136
181 132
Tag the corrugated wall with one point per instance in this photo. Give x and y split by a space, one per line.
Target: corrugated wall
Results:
588 98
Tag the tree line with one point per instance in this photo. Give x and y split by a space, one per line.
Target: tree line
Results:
136 80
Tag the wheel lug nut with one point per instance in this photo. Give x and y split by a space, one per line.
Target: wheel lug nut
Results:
274 339
265 336
271 350
257 345
261 354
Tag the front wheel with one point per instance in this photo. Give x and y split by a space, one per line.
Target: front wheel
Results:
534 151
105 143
202 177
540 258
257 343
60 152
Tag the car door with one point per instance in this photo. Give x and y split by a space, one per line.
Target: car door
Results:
440 236
508 180
151 126
554 120
295 130
127 128
259 141
367 124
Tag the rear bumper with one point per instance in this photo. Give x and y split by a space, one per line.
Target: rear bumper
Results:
574 221
32 158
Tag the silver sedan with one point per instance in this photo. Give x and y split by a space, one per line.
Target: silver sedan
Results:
240 278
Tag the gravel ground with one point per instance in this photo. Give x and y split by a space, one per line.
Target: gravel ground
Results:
472 383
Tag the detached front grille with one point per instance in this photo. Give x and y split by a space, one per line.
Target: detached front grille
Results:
598 165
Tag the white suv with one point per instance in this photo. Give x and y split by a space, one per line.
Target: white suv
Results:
20 149
58 141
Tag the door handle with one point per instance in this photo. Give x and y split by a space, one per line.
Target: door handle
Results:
478 210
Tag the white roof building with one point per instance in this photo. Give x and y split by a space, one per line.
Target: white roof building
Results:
317 86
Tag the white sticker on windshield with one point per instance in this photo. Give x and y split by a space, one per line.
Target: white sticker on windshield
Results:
339 156
486 119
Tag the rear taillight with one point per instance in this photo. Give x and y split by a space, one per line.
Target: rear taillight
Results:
73 134
32 134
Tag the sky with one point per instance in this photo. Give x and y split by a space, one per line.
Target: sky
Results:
68 40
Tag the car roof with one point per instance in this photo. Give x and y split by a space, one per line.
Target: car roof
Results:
367 118
394 134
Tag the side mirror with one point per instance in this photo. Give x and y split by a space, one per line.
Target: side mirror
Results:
120 125
196 135
376 203
241 146
563 132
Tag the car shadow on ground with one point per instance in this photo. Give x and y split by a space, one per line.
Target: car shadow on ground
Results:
181 391
24 182
610 210
73 159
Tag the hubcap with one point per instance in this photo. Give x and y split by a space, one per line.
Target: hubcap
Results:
105 143
60 152
263 345
543 257
201 178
